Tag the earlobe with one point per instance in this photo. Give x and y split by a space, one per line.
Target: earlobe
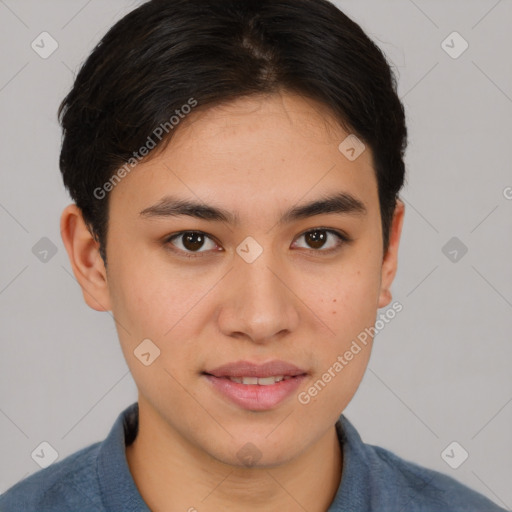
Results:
390 260
84 256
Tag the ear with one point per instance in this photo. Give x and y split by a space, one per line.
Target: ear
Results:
390 260
84 256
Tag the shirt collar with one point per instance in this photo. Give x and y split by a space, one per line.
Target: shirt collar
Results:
354 490
117 486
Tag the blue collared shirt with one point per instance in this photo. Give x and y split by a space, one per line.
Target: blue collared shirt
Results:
97 479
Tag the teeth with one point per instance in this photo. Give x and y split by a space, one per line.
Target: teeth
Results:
262 381
267 381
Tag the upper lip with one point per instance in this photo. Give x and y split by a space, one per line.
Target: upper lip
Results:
248 369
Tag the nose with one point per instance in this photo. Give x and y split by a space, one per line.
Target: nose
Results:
259 304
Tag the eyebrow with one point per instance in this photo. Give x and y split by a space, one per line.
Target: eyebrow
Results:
339 203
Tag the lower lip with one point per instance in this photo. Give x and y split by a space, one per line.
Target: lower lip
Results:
253 396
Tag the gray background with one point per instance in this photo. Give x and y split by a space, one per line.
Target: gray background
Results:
440 371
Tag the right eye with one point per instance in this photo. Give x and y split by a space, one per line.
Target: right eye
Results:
190 242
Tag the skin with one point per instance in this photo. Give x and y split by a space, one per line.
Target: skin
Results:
256 157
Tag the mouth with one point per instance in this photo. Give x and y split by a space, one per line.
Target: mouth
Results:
258 381
275 369
256 387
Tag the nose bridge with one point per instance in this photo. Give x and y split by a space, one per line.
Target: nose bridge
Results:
252 266
260 283
261 306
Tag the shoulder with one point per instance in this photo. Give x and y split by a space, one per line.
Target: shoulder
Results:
70 484
424 489
381 480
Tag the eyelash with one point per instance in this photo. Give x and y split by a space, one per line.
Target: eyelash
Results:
342 240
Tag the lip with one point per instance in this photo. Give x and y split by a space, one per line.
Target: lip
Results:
248 369
255 397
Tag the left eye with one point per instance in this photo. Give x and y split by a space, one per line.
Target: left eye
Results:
325 239
193 241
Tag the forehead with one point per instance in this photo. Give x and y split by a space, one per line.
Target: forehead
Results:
256 151
280 121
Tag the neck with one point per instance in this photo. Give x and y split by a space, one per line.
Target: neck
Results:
172 475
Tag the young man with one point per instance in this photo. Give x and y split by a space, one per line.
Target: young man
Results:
235 167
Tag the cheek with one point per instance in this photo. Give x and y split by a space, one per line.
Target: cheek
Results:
345 297
149 296
156 301
351 297
148 305
347 304
346 300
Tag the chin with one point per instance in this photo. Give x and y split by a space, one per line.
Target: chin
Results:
253 454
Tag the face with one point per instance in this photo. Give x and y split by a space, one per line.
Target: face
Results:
275 272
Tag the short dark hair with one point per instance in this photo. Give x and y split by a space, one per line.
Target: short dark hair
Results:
159 56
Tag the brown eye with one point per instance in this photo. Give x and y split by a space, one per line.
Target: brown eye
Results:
192 241
324 239
316 239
